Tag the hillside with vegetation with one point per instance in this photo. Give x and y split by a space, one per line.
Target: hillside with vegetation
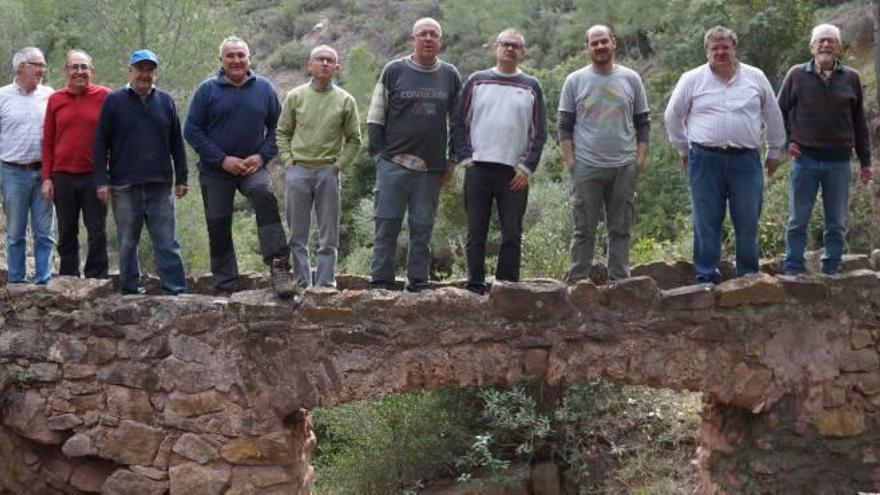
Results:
606 438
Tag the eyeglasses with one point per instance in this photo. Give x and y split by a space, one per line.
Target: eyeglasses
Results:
427 35
37 64
509 45
78 67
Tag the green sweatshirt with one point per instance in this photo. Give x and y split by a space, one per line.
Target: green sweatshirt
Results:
314 124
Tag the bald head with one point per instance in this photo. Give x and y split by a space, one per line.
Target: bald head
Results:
598 29
426 21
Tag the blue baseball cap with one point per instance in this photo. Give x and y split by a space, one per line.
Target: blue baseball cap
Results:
143 55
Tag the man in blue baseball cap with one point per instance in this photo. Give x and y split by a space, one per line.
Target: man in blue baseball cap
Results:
140 163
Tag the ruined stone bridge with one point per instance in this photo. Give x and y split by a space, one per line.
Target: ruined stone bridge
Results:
203 395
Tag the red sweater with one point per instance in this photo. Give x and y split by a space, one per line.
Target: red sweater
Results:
69 129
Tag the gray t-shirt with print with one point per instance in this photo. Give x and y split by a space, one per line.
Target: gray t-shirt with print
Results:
603 106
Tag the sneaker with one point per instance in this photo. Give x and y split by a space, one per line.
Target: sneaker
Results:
282 281
415 286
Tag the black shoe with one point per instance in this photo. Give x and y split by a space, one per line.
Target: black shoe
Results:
381 284
138 291
415 287
477 288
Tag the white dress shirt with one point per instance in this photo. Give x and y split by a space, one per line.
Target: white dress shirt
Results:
21 122
709 111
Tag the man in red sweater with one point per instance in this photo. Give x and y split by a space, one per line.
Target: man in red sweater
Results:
68 170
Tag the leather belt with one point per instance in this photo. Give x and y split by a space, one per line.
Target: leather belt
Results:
33 166
725 151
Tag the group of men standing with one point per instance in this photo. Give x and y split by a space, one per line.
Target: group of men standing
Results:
84 147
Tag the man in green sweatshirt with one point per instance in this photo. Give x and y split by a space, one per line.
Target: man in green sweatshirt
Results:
318 133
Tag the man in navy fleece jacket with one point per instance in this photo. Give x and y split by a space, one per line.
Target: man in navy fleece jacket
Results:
137 138
231 125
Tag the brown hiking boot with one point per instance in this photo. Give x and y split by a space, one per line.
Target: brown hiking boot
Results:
282 281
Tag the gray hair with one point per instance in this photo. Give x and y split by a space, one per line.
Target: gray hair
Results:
834 30
233 40
427 20
511 32
323 48
22 56
719 33
77 51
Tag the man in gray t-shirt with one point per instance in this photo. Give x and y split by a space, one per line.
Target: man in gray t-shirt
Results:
604 124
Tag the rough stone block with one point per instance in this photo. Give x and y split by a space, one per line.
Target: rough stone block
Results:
63 422
667 275
866 383
130 443
43 372
269 449
195 448
260 304
860 360
72 371
688 298
79 290
189 405
858 279
129 403
634 294
132 374
79 445
853 262
756 289
862 337
26 415
536 300
839 423
91 476
259 477
125 482
150 472
586 296
193 479
805 288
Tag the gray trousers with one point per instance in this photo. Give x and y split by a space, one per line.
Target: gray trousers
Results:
594 191
308 187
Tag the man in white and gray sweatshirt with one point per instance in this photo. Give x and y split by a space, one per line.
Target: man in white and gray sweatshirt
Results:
502 125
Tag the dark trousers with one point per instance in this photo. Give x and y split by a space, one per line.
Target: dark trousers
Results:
218 195
483 184
75 193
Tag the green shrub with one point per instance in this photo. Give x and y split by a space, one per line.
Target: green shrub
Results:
392 444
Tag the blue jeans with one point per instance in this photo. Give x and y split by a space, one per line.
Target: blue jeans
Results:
152 203
21 195
807 174
716 180
398 189
313 188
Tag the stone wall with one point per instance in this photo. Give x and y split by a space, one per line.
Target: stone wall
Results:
206 395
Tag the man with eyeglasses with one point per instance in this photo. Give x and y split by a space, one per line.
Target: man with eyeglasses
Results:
823 110
22 111
407 123
502 121
603 126
68 169
231 125
140 162
318 134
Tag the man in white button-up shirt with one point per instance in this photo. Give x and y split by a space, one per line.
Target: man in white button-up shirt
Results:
714 118
22 110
